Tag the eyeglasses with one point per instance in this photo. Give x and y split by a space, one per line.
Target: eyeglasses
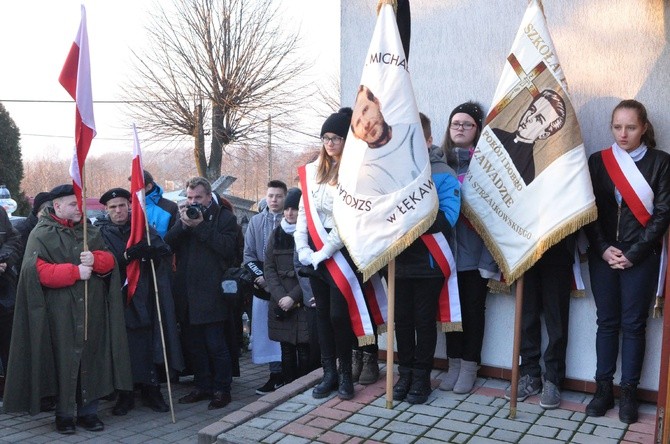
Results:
334 140
464 125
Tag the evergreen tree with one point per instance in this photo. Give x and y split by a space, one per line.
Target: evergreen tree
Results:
11 165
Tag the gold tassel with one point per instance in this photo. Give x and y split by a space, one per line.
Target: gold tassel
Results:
367 340
658 307
448 327
393 3
569 227
497 287
576 293
382 329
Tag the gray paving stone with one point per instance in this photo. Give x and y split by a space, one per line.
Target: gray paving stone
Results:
289 439
484 431
530 408
380 423
404 416
540 430
379 412
457 426
505 435
380 435
460 415
508 424
559 413
364 420
482 440
564 435
530 439
461 438
354 430
477 408
290 406
439 435
250 433
282 416
608 432
409 429
399 438
481 399
521 415
605 421
423 420
275 437
424 440
564 424
586 428
582 438
578 416
260 423
480 419
427 410
499 402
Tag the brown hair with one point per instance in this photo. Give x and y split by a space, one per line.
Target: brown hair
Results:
195 181
648 136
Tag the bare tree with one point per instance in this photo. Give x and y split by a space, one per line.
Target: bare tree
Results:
216 70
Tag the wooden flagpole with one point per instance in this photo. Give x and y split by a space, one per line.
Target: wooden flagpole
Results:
517 346
662 433
84 220
160 324
390 331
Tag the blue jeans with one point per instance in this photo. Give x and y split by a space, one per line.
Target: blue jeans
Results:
622 301
212 366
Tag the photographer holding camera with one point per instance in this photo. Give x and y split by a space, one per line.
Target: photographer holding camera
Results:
205 243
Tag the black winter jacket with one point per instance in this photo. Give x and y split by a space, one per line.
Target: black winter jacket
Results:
619 227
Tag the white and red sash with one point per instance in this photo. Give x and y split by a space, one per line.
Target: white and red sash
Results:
637 193
344 276
449 305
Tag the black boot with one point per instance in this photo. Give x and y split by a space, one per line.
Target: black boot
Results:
628 404
602 401
401 388
329 381
124 403
152 398
420 388
345 389
303 359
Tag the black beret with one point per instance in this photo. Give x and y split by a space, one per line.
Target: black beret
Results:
473 109
114 192
39 200
62 191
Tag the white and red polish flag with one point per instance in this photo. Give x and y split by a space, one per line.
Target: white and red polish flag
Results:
76 79
138 221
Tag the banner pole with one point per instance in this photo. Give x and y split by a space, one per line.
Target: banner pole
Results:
390 331
84 220
662 431
517 346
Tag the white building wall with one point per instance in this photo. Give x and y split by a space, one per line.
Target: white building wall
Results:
609 49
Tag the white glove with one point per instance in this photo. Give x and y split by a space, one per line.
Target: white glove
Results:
318 257
305 256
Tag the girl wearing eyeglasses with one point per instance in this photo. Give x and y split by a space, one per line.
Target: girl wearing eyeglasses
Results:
474 263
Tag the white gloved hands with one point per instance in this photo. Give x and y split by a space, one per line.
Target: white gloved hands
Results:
305 256
318 257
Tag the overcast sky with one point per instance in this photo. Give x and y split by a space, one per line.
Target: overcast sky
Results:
36 36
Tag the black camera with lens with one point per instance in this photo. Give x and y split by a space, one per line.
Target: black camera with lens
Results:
194 211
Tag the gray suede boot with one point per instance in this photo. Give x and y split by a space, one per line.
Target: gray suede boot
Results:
370 370
356 364
466 377
449 379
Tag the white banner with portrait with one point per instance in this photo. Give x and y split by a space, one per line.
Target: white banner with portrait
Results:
528 184
385 197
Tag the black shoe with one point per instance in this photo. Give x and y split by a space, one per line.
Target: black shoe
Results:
91 423
273 384
195 396
628 405
124 403
219 401
65 426
603 399
328 382
420 388
401 388
345 389
110 397
152 398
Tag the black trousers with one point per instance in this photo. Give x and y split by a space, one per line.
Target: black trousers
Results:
415 321
546 291
467 345
6 318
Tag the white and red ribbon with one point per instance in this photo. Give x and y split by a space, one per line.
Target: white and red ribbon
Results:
449 306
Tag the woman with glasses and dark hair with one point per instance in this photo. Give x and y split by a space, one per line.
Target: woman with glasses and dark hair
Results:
631 183
474 263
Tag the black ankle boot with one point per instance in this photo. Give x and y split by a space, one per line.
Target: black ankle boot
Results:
602 401
345 389
124 403
401 388
420 388
329 381
152 398
628 404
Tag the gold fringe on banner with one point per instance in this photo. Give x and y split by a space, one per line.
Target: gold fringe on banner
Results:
397 247
587 216
382 329
393 3
497 287
367 340
658 307
449 327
